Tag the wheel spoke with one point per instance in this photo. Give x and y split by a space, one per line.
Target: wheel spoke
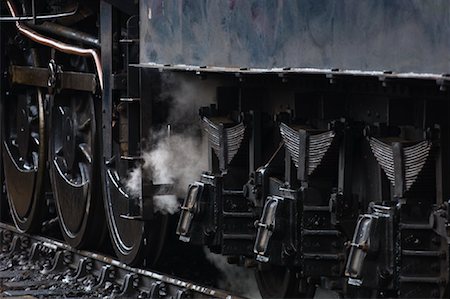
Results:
59 151
35 138
61 111
35 157
14 142
84 172
86 125
86 151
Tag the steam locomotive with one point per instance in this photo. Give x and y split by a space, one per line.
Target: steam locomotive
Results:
325 128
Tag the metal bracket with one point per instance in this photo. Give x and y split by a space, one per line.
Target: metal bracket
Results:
266 227
84 268
53 78
107 273
130 283
189 208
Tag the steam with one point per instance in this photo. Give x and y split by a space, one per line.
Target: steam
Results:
178 157
133 183
166 204
175 159
239 279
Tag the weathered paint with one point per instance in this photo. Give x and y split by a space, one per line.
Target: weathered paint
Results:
395 35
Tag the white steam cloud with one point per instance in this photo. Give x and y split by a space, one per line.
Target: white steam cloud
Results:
174 158
133 183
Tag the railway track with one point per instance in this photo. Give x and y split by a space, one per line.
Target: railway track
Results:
36 266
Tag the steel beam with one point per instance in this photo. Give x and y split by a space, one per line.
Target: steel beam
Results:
106 31
36 76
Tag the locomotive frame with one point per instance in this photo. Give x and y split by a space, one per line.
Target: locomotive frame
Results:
324 181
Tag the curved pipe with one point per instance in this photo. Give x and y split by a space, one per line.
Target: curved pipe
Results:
60 46
72 34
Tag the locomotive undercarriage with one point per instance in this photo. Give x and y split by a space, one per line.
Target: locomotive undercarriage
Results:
325 185
338 150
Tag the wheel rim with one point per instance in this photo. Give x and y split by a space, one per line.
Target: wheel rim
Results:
72 172
24 146
134 241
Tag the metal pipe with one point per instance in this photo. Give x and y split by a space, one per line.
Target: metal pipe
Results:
60 46
66 32
41 17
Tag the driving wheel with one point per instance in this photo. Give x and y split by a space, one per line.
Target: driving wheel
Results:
23 141
74 170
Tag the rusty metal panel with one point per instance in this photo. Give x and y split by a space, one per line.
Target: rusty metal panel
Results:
381 35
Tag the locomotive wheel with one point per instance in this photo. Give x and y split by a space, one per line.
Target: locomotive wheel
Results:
74 170
24 151
135 242
277 282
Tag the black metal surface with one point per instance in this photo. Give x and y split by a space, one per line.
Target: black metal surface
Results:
424 255
126 235
278 282
133 117
106 32
136 232
129 7
3 200
280 80
356 35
